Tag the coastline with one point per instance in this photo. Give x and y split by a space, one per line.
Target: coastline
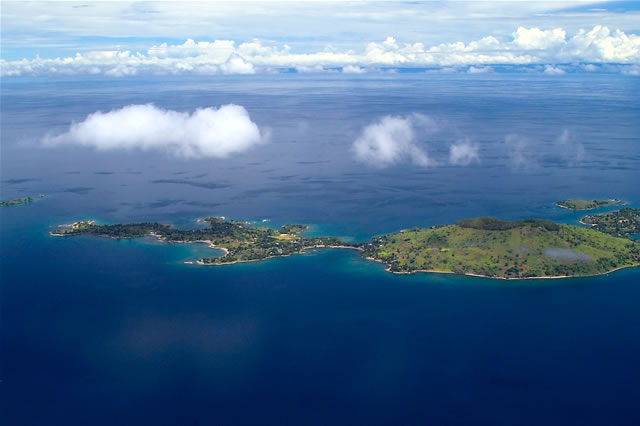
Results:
226 251
201 263
558 277
614 201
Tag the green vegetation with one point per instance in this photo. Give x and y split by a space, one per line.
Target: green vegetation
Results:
24 200
240 241
293 229
620 223
493 224
501 249
530 248
587 204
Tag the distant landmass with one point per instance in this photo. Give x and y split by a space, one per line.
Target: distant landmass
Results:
16 201
24 200
587 204
487 247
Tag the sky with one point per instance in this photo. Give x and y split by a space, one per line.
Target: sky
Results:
120 38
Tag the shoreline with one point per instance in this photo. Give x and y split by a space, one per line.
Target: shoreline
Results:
201 263
614 201
558 277
225 251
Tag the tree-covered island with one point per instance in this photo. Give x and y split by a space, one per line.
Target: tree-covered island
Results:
240 241
587 204
620 223
488 247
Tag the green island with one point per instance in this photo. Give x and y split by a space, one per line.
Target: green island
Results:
24 200
240 241
620 223
587 204
487 247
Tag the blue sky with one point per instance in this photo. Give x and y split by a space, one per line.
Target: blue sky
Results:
121 38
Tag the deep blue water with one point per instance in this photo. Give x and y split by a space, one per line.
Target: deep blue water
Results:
97 331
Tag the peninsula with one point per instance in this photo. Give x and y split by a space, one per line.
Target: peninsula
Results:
487 247
587 204
620 223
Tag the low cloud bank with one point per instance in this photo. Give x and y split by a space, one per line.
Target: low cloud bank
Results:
526 46
207 132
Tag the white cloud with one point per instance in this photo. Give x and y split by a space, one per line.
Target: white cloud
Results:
117 71
392 140
533 45
535 38
353 69
207 132
236 64
463 153
479 70
551 70
315 69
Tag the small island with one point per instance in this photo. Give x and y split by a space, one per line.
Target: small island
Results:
588 204
487 247
620 223
24 200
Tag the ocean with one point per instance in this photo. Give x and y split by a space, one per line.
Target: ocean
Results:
103 332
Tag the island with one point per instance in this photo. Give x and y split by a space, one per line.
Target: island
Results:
485 246
587 204
239 241
489 247
24 200
620 223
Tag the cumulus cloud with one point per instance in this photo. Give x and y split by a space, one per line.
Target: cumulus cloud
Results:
479 70
206 132
316 69
392 140
236 64
463 153
353 69
527 46
537 39
551 70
